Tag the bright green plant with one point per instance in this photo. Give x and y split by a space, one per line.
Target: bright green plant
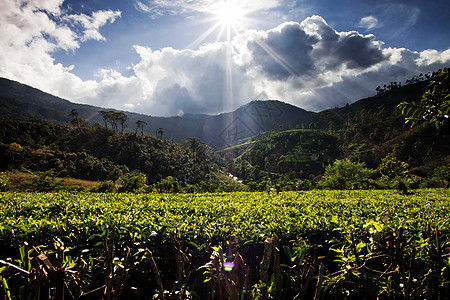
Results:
132 182
434 106
385 243
3 181
346 175
169 184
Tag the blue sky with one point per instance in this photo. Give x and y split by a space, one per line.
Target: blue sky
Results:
168 57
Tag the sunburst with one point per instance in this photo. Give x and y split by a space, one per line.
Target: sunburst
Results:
229 14
226 17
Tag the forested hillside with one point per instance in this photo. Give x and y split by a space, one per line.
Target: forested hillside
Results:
103 154
371 132
301 150
22 102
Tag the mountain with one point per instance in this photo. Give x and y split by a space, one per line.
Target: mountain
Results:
19 101
295 144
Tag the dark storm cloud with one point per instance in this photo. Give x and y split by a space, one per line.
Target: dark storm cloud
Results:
311 48
351 49
284 52
358 52
173 98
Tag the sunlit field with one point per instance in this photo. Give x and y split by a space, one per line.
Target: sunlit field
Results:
227 245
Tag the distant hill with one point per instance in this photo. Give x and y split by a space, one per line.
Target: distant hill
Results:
19 101
22 102
259 142
389 100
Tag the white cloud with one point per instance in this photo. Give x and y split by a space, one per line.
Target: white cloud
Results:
368 22
309 64
91 24
191 80
163 7
32 31
431 56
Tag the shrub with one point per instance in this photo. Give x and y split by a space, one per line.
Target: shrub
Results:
3 181
106 186
132 182
345 175
169 184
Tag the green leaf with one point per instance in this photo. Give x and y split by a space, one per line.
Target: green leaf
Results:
6 288
288 253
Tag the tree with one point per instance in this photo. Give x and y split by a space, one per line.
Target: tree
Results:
345 175
76 121
434 106
200 161
395 172
391 168
140 124
313 125
74 115
122 119
160 132
131 182
169 184
106 116
114 118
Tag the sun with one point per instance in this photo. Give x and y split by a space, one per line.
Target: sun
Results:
229 13
225 19
229 17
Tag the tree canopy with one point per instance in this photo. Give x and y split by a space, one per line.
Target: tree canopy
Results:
434 106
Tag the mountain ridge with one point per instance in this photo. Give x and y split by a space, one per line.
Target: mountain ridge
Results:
20 101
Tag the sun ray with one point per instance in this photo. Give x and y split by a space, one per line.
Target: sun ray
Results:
227 18
203 36
228 13
278 58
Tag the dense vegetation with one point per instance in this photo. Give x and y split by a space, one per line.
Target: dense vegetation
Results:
369 244
375 243
364 135
103 154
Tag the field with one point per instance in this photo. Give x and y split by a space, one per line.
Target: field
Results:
329 244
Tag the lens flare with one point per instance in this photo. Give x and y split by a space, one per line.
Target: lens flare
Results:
228 266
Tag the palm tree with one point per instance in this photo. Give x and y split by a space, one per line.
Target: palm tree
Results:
140 124
160 132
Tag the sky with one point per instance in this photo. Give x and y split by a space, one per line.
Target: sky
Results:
171 57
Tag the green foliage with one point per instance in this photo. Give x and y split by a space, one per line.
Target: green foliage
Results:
275 154
368 244
169 185
107 186
46 181
392 168
364 131
434 106
345 175
132 182
115 118
3 181
440 177
395 173
99 154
